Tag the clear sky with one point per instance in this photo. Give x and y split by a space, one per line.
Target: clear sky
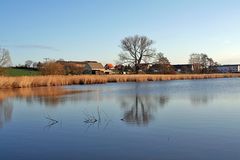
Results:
92 29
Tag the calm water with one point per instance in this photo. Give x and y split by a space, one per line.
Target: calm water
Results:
197 119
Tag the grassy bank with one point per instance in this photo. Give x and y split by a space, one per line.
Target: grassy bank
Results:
39 81
21 72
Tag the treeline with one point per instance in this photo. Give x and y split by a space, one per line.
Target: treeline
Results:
138 50
137 56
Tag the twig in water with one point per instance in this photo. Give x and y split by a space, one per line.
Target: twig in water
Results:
50 119
51 122
89 118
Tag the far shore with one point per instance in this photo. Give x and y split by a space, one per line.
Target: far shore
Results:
55 80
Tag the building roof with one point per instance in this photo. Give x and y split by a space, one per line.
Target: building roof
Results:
182 65
76 62
228 65
96 66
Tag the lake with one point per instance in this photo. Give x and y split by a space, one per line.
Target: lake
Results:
189 119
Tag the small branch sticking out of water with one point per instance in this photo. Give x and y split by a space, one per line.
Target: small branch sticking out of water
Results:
91 119
51 122
51 119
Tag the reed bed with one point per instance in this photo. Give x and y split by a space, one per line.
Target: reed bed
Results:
42 81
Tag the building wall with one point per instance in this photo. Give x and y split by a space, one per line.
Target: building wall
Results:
87 69
183 68
229 68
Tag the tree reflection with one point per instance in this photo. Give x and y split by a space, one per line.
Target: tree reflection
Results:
6 110
139 108
163 100
197 100
138 113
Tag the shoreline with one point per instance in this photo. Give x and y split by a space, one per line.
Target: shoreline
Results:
55 80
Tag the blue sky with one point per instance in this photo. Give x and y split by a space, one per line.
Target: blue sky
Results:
92 29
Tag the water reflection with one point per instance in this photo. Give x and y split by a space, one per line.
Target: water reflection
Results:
91 121
100 119
6 110
139 108
49 96
138 101
163 100
198 100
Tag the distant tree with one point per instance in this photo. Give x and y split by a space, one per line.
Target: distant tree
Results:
202 63
28 63
212 66
135 50
119 68
123 68
52 68
161 59
162 64
5 59
35 65
195 60
128 69
48 60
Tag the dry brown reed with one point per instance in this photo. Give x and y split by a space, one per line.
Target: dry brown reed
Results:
40 81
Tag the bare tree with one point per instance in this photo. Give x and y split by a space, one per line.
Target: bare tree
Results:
28 63
201 63
5 59
161 59
52 68
161 65
35 65
135 50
